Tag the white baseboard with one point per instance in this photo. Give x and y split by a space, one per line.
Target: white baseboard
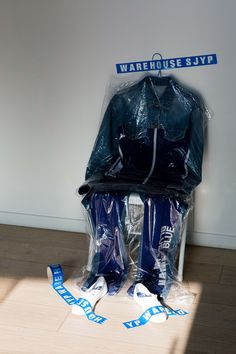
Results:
79 225
212 240
42 221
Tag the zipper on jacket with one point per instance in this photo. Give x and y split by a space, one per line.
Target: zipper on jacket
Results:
154 156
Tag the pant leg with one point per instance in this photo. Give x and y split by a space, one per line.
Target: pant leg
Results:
159 244
109 253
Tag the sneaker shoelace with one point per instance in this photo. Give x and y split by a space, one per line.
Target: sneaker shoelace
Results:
164 304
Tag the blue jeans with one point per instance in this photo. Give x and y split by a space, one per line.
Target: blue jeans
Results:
159 241
110 258
162 224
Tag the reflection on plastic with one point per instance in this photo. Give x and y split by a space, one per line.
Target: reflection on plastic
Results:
137 237
150 143
150 140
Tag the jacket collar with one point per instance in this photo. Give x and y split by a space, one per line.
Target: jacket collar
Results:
165 99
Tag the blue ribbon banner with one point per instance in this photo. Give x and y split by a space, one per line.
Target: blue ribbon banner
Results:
57 284
145 317
166 64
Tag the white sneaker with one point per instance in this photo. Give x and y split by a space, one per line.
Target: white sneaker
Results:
93 295
146 300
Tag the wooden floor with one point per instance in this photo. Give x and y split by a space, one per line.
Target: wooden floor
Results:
34 319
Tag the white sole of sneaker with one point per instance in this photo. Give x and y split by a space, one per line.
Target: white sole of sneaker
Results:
146 300
95 293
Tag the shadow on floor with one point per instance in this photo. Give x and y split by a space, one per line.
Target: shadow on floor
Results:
214 326
26 252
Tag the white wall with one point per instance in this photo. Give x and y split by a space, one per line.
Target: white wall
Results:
56 58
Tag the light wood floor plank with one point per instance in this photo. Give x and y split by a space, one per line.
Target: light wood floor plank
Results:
202 272
44 254
20 234
17 314
214 293
35 320
205 255
40 342
228 276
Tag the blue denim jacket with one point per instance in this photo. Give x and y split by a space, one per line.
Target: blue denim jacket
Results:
149 141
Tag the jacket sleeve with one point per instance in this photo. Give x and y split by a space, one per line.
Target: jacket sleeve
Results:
194 163
106 144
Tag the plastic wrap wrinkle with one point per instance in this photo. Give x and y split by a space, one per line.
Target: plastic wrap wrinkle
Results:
145 164
123 154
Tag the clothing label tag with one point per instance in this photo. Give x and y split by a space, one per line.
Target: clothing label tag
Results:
56 277
145 317
166 64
